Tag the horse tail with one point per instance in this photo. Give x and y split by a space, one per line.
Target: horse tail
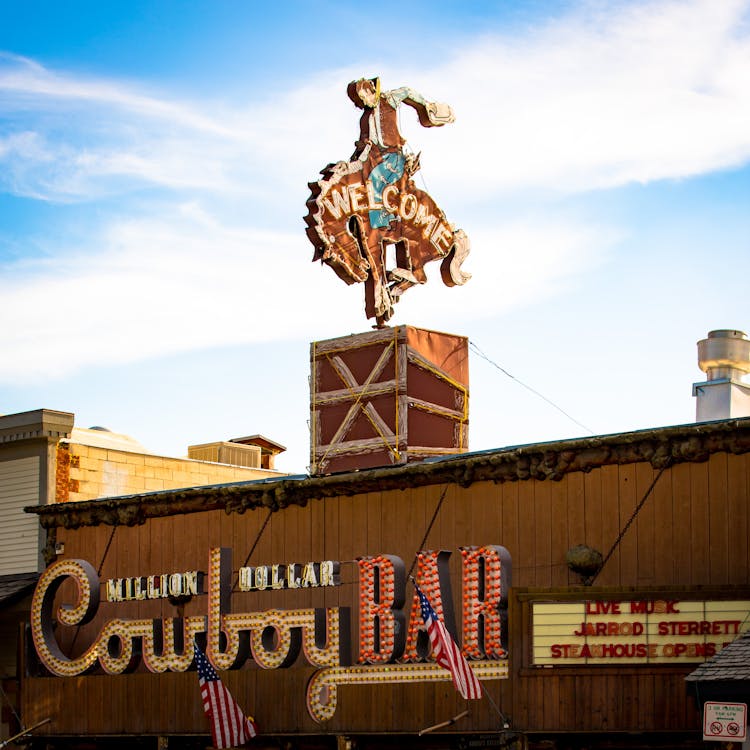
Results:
450 268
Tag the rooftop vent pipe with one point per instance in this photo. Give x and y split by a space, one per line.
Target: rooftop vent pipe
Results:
725 358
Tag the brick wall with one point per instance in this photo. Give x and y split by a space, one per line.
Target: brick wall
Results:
64 485
85 472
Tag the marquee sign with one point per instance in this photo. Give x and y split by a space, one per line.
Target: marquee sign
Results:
364 207
653 631
392 645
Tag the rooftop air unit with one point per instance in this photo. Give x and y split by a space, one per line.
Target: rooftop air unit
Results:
725 358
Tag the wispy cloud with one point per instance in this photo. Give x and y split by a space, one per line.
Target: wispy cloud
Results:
632 92
186 281
29 83
629 93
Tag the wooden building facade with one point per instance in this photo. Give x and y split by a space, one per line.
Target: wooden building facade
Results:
629 566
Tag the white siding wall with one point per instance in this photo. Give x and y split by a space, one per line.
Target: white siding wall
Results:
19 531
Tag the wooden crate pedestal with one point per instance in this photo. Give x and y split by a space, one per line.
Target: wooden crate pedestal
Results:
387 397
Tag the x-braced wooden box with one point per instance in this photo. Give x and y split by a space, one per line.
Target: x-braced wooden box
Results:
386 397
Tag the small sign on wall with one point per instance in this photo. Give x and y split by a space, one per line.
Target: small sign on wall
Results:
725 722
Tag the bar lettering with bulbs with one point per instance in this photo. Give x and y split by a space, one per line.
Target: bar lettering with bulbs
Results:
389 633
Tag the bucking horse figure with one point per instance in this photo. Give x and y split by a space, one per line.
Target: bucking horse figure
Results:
363 207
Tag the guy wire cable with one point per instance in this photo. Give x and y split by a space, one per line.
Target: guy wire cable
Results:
480 353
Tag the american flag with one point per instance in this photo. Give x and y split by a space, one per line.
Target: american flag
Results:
229 726
447 653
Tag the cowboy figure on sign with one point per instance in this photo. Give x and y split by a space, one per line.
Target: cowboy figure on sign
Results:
368 204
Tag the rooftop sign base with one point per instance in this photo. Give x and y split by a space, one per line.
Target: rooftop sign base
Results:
387 397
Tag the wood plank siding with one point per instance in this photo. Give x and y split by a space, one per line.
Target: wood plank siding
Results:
689 540
19 533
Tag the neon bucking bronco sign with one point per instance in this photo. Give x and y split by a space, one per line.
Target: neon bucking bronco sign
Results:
364 206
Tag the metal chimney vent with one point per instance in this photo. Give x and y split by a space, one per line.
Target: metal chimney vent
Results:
725 358
724 354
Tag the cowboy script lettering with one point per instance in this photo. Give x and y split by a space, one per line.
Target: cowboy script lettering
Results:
392 644
366 209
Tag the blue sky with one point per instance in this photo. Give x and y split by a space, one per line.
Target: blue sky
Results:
154 160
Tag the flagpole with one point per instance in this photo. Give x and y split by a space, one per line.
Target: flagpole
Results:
506 723
443 723
29 730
